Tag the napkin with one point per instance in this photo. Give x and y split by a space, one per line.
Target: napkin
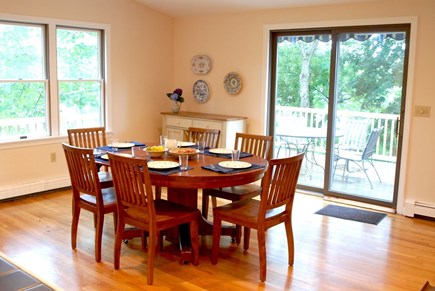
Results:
217 168
169 171
138 144
227 156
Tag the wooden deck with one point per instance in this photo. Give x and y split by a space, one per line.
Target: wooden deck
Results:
355 183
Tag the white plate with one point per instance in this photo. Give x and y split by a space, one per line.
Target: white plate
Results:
220 151
186 144
162 165
235 164
106 157
123 145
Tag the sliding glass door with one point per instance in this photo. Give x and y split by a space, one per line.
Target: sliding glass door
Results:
337 94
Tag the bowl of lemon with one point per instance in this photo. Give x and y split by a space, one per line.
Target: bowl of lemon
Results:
156 151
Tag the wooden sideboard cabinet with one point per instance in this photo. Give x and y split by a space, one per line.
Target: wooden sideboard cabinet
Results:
174 125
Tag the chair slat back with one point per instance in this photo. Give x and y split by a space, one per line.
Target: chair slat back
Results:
259 145
371 143
83 170
279 183
132 183
355 134
91 137
211 137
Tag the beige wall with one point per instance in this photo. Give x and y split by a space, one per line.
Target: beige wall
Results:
236 43
141 73
150 53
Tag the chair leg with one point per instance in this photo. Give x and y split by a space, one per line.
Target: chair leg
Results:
74 225
158 192
95 220
194 241
364 171
246 237
213 202
261 236
238 237
371 163
143 239
99 236
153 236
117 247
115 220
290 242
205 199
217 225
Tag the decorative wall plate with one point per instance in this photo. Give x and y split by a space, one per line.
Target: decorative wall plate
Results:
201 64
200 91
232 83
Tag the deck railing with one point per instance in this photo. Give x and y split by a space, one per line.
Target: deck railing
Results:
386 147
15 128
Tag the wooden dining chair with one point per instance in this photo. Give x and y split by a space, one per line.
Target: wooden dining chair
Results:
137 207
88 193
91 137
210 136
275 207
259 145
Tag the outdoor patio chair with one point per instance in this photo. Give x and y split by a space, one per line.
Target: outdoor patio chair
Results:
359 158
355 134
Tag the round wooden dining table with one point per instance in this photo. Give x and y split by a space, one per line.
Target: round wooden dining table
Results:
182 187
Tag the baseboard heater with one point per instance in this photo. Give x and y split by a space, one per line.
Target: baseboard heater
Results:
413 207
11 191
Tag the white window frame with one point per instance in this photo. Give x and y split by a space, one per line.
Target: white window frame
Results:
53 100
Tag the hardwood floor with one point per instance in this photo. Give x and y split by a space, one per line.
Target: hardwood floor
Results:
330 253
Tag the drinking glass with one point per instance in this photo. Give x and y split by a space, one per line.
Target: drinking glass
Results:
235 155
163 139
171 144
114 144
201 145
184 162
135 151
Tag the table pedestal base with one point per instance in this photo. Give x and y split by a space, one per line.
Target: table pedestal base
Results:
189 197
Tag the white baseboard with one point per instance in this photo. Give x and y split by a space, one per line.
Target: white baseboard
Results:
413 207
31 187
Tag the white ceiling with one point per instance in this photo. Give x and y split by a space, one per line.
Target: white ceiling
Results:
183 8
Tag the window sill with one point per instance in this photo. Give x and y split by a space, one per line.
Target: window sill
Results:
41 141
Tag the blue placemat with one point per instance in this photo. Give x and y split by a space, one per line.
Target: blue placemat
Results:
217 168
227 156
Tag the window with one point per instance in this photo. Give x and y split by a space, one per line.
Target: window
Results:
43 92
79 70
23 81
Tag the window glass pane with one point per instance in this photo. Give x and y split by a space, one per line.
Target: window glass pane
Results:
80 104
23 109
21 52
78 54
